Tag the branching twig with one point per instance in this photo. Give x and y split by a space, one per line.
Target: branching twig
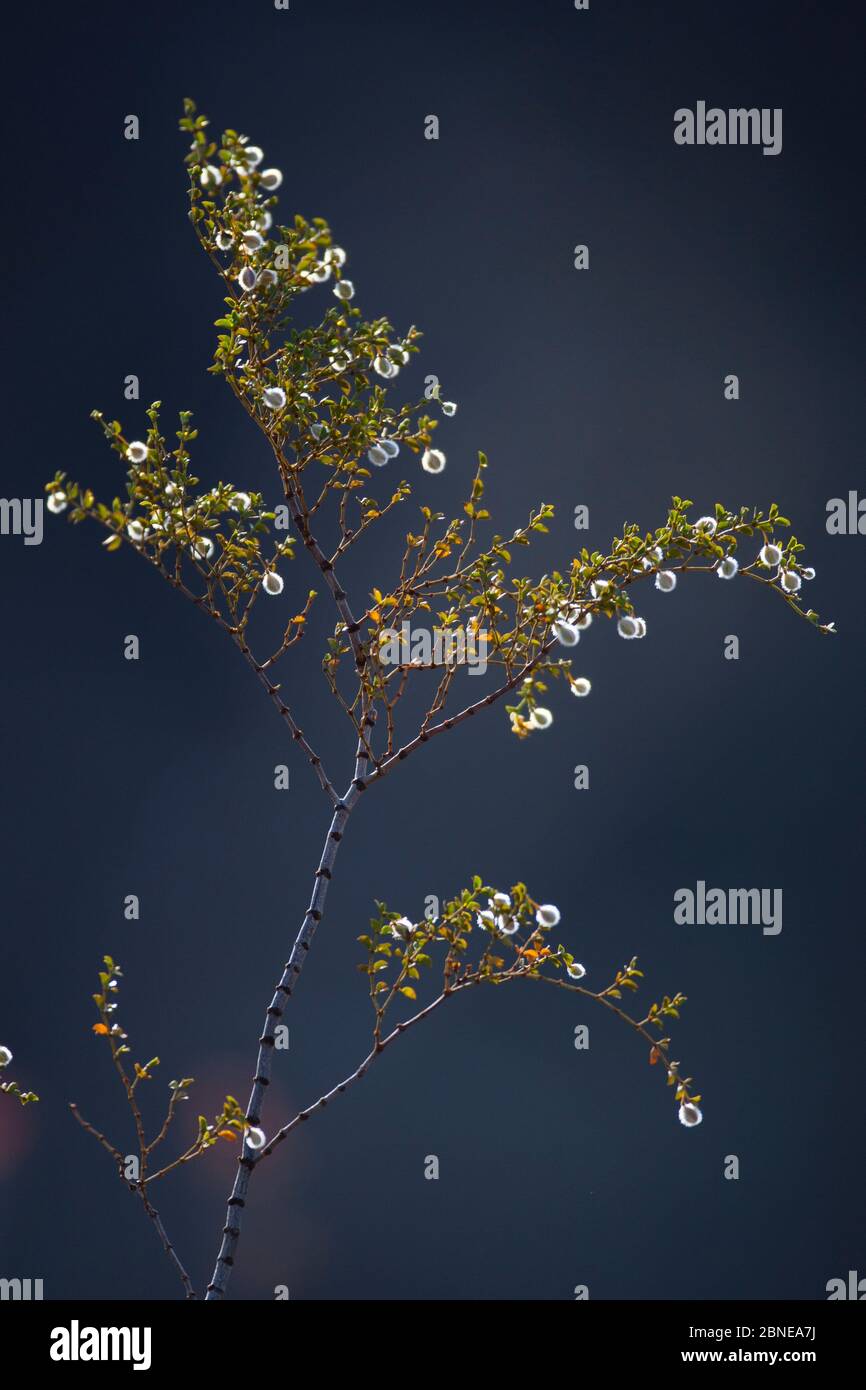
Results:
217 536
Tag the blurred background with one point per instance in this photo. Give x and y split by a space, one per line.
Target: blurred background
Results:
602 388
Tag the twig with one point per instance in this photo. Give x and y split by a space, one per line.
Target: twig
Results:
283 992
91 1129
361 1070
296 732
380 1046
166 1243
141 1189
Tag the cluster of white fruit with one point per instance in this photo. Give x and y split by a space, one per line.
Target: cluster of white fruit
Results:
386 363
252 240
200 547
388 367
568 626
249 278
495 916
269 179
498 919
382 451
770 557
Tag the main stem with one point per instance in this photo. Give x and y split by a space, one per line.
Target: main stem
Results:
292 969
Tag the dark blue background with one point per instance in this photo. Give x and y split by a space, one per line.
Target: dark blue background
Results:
603 388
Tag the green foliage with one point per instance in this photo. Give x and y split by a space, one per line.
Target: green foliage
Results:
11 1088
490 936
313 392
318 385
229 1124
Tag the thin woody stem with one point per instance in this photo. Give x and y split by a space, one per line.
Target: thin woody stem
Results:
426 734
361 1070
276 1008
238 635
205 602
169 1116
246 1164
342 809
285 713
189 1154
166 1243
380 1046
507 686
91 1129
418 587
600 998
141 1189
300 517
